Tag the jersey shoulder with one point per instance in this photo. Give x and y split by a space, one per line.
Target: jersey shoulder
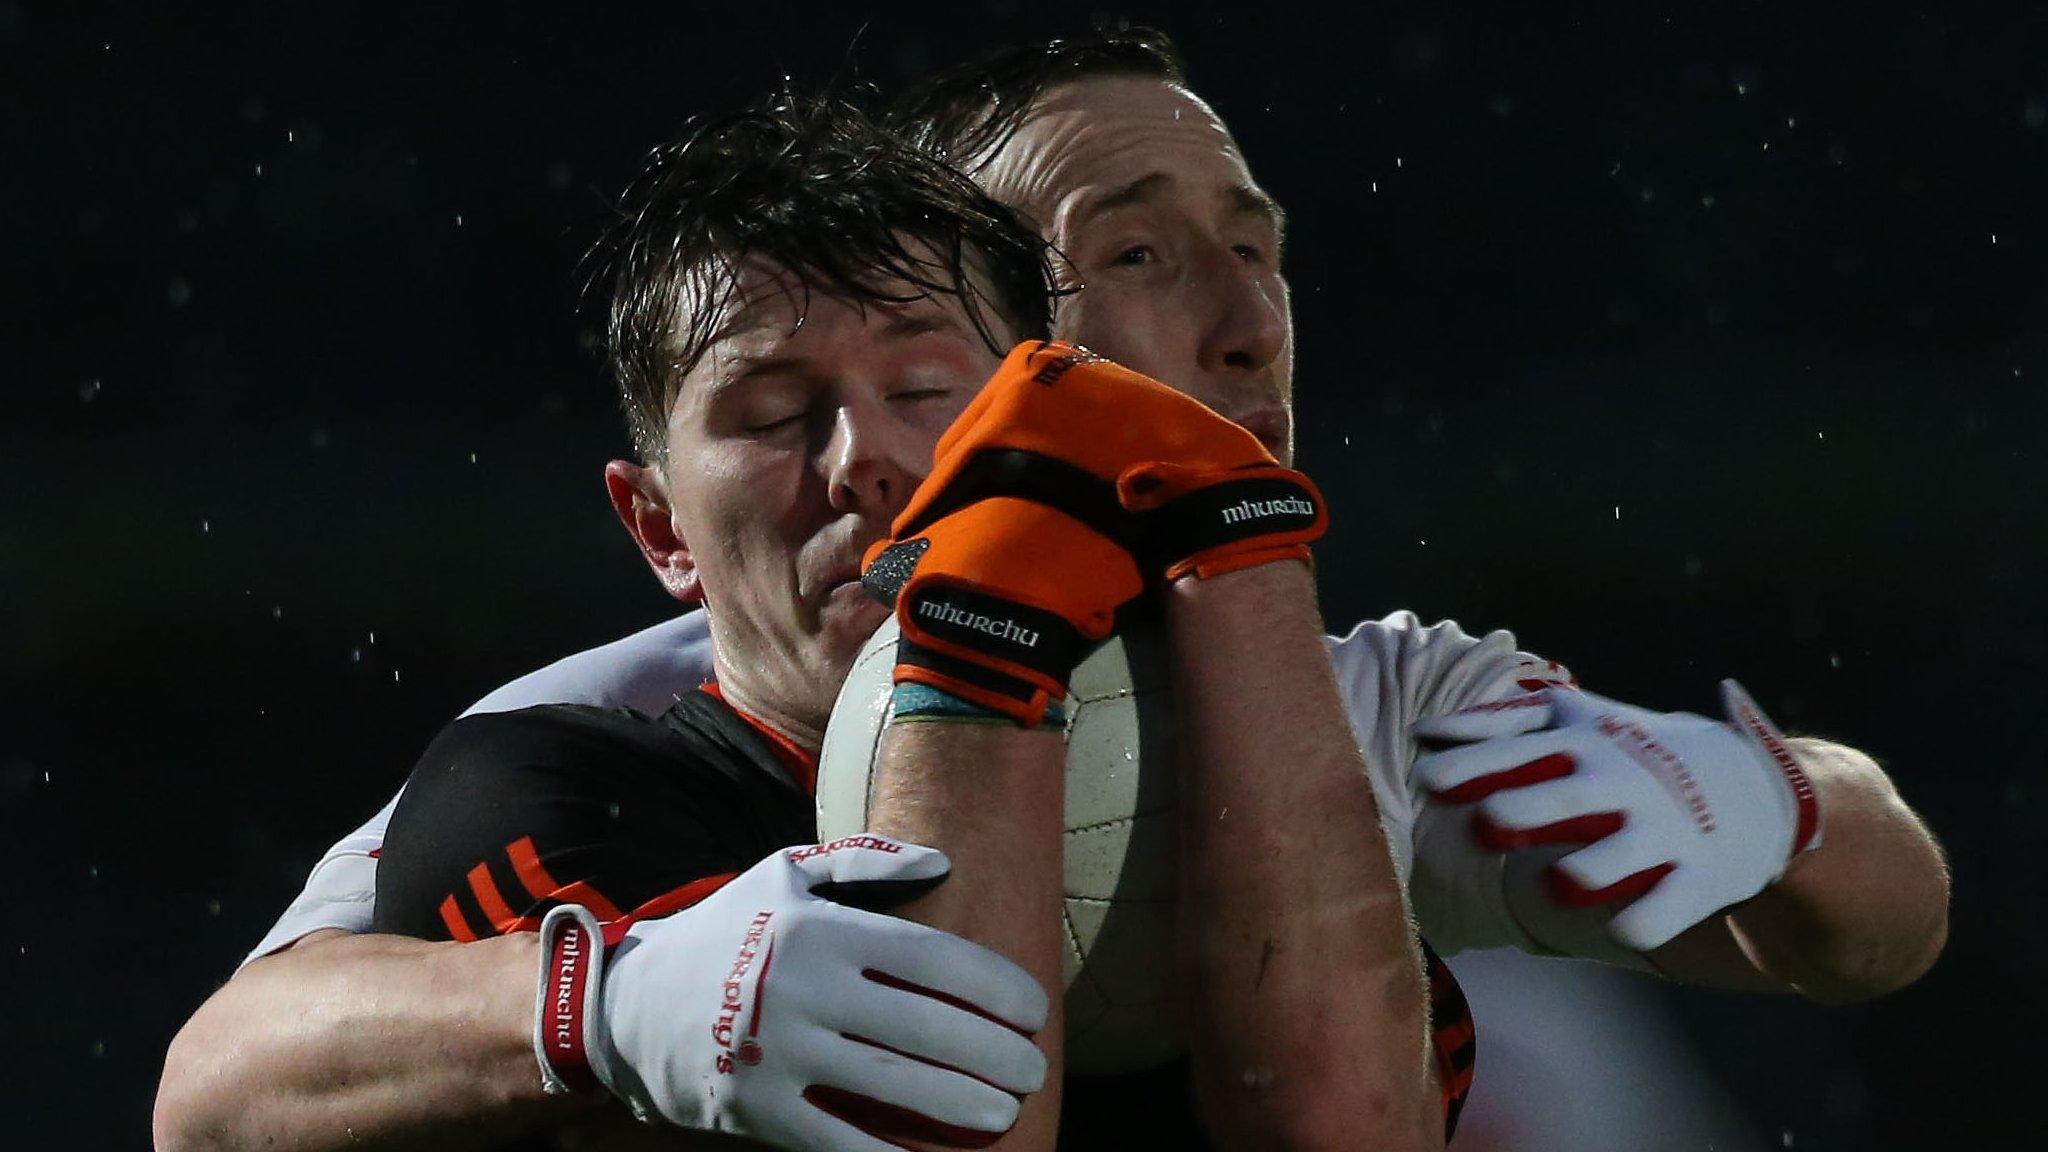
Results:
648 672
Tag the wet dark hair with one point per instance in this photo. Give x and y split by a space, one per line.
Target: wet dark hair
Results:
818 188
965 114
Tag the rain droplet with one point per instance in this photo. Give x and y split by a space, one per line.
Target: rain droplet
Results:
213 906
1397 161
205 526
277 611
1375 185
1693 567
1791 121
373 637
1822 435
1424 543
88 391
355 655
1707 201
179 293
92 871
1834 660
259 169
458 219
394 675
289 136
98 1048
1617 511
472 457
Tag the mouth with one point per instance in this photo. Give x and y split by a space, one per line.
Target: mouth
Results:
1270 425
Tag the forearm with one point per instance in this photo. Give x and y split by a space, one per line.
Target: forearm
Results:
363 1042
991 797
1308 1001
1864 914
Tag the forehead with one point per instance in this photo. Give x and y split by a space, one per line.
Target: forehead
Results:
762 314
1107 133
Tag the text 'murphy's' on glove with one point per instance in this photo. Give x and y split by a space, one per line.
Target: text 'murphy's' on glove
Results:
999 601
783 1008
1180 486
1680 816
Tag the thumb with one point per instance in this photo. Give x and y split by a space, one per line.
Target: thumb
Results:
869 871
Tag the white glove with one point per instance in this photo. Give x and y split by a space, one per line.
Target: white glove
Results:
1681 816
775 1010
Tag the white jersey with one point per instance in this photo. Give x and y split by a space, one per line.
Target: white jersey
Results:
1390 671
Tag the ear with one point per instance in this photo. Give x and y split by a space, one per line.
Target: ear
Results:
641 500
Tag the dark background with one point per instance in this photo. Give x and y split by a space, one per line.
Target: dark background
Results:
1687 340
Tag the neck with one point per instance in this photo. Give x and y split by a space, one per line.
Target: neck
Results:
808 736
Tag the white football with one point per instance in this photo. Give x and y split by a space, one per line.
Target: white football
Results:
1123 996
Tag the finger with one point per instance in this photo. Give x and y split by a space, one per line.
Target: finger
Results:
1511 716
1553 766
1618 868
939 965
895 1098
1575 830
1663 912
935 1031
1539 805
1447 773
869 871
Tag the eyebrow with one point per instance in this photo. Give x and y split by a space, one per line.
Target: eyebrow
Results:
901 325
1241 200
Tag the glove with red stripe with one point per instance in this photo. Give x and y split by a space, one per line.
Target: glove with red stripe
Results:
777 1009
1016 552
1680 816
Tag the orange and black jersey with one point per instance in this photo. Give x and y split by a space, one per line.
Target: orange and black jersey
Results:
508 814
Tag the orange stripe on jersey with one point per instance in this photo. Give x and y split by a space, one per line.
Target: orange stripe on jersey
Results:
458 928
677 899
584 894
498 912
526 862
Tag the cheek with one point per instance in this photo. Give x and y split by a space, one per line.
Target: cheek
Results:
1125 324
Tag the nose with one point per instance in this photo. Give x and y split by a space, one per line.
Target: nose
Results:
865 460
1244 314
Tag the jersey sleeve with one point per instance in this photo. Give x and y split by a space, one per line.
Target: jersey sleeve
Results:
511 813
1392 673
340 892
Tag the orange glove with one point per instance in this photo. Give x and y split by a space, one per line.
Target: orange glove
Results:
999 600
1059 425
